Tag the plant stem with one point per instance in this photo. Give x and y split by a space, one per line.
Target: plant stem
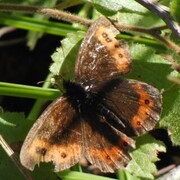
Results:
37 107
62 15
14 158
163 13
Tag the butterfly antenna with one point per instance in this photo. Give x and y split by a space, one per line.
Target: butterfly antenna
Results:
40 82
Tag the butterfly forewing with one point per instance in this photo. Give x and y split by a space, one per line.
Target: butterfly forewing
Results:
101 56
56 137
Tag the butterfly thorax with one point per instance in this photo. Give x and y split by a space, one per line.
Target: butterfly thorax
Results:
80 97
86 102
74 90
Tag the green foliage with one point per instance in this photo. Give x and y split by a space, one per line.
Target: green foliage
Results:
36 25
34 36
65 56
174 9
13 128
115 5
143 158
74 175
171 114
148 65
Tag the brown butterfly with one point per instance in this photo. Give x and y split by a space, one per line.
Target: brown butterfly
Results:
99 113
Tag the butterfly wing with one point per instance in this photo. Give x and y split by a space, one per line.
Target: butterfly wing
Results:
56 137
137 104
104 146
101 55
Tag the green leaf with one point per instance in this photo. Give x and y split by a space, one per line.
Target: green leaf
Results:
13 131
143 158
44 170
74 175
34 36
117 5
125 175
170 117
65 56
174 9
149 67
7 167
142 20
14 126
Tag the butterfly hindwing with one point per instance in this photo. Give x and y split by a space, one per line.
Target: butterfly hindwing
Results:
56 136
105 147
137 104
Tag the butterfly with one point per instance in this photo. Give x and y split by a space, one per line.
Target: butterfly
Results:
99 113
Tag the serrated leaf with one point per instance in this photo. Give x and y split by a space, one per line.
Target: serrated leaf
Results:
143 158
65 56
149 67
